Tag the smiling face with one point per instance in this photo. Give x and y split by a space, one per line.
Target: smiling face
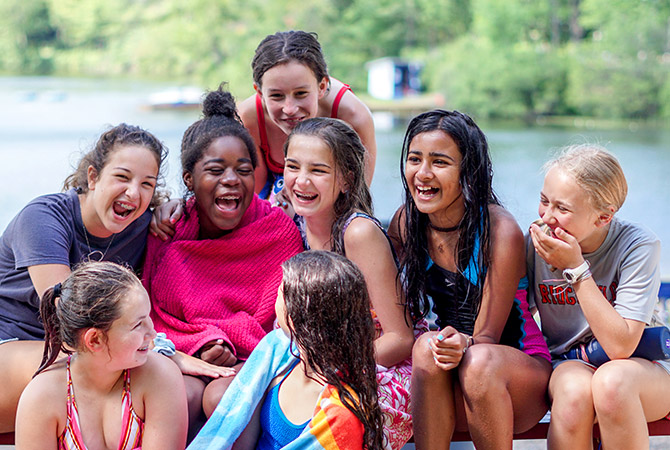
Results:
121 192
311 177
564 204
223 183
291 93
130 335
432 172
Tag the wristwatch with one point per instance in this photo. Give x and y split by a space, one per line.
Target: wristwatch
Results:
578 273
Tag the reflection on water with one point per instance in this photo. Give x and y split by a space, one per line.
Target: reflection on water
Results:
46 122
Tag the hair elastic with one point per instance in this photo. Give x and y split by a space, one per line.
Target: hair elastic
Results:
57 290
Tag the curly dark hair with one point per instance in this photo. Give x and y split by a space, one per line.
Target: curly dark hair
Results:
220 119
349 156
90 297
115 137
328 314
285 46
476 174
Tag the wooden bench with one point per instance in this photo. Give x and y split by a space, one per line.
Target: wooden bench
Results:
539 431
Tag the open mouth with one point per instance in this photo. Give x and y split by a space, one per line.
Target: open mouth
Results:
304 197
425 191
123 209
143 349
228 202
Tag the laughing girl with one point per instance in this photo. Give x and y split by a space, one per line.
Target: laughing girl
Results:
100 316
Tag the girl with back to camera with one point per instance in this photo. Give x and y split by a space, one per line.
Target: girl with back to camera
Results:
486 369
100 316
102 215
310 384
324 180
594 276
292 84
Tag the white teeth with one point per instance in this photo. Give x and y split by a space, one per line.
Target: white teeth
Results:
125 206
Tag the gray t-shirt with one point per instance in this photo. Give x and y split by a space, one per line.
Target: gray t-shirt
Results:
626 268
49 230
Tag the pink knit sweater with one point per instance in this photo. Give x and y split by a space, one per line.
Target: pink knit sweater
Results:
225 288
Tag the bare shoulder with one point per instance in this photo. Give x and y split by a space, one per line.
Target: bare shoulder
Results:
351 109
503 224
247 111
158 370
363 233
47 392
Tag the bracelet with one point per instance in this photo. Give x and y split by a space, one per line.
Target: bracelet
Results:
469 340
163 345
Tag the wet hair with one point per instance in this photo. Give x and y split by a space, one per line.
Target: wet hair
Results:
220 119
328 315
596 171
349 155
90 297
115 137
285 46
476 174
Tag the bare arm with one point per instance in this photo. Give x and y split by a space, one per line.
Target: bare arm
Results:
366 245
506 268
45 276
618 336
165 409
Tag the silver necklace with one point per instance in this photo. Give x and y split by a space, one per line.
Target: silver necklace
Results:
96 252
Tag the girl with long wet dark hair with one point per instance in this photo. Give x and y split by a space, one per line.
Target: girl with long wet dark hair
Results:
462 257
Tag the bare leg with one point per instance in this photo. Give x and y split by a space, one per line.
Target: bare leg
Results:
194 392
215 390
19 361
504 390
572 413
627 394
433 410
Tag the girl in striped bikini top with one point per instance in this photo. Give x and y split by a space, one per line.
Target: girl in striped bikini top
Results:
99 316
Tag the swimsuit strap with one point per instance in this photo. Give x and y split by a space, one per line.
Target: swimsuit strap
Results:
336 102
273 165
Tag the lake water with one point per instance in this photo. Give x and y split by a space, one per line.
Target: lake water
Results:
46 122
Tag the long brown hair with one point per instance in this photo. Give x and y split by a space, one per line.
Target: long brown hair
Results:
89 298
328 314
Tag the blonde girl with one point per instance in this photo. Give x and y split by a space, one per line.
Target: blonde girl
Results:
594 276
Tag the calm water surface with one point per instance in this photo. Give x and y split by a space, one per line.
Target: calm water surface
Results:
46 122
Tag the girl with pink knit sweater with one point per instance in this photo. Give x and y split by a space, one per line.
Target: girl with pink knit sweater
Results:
213 284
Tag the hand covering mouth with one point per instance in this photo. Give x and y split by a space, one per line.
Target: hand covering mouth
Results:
228 202
123 209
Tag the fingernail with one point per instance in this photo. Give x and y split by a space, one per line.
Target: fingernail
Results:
439 337
435 359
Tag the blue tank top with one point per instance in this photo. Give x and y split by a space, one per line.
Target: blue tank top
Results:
276 430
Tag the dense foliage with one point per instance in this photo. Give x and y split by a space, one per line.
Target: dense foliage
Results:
499 59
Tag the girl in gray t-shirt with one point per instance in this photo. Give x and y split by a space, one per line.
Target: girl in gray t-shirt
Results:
593 276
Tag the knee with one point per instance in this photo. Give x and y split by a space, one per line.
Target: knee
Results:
213 394
572 401
480 372
613 388
423 364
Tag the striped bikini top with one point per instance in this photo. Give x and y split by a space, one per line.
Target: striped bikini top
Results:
131 432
